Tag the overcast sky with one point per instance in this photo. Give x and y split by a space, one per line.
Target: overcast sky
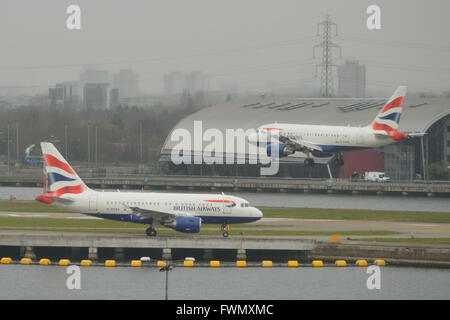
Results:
250 43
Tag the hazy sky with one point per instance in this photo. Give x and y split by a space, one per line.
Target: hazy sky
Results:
252 43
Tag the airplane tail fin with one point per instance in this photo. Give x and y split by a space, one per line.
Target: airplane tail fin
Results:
60 176
389 117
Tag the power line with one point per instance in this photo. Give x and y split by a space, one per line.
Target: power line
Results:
154 59
281 65
405 67
395 43
383 83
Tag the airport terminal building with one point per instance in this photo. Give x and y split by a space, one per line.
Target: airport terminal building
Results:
415 158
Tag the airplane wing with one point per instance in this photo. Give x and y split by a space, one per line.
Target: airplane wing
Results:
156 215
300 144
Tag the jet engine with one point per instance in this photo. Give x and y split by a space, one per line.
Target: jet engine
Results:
185 224
280 149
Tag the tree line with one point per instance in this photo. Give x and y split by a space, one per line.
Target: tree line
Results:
112 135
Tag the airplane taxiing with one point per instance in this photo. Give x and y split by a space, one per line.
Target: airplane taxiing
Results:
285 139
182 212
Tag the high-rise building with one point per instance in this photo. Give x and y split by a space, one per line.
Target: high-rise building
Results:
352 80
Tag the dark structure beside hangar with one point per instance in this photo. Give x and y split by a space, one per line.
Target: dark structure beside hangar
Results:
416 158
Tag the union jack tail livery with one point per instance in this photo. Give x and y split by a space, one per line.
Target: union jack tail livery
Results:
386 122
59 176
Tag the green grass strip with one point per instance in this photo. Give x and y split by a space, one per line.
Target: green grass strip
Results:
357 214
409 240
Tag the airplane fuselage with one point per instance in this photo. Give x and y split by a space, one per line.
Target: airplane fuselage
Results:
329 138
211 208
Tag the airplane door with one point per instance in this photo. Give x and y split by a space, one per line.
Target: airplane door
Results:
93 202
225 206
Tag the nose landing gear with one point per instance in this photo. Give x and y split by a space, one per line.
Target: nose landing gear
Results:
225 229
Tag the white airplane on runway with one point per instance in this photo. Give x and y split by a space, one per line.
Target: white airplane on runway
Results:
325 141
182 212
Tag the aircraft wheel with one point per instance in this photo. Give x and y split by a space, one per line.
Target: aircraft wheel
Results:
225 234
338 162
151 232
309 162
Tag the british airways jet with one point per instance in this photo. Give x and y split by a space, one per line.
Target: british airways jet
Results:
182 212
325 141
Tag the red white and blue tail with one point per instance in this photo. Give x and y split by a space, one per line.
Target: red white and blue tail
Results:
61 178
388 119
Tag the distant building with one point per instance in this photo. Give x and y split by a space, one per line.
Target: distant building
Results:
55 94
176 83
94 76
94 90
72 93
197 81
69 94
114 98
127 82
96 95
351 80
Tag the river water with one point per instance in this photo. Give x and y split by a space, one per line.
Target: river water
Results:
49 282
299 200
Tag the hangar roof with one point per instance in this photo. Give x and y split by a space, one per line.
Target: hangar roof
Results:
417 116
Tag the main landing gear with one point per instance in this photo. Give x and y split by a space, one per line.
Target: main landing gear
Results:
339 160
309 162
151 232
225 229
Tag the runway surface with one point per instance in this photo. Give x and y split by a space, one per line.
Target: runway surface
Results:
403 229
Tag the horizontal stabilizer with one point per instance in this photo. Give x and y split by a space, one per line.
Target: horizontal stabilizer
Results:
48 198
381 133
416 134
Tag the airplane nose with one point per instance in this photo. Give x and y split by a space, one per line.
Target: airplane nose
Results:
259 214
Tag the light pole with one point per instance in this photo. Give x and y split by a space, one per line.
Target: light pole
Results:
167 268
89 144
96 147
8 151
65 141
